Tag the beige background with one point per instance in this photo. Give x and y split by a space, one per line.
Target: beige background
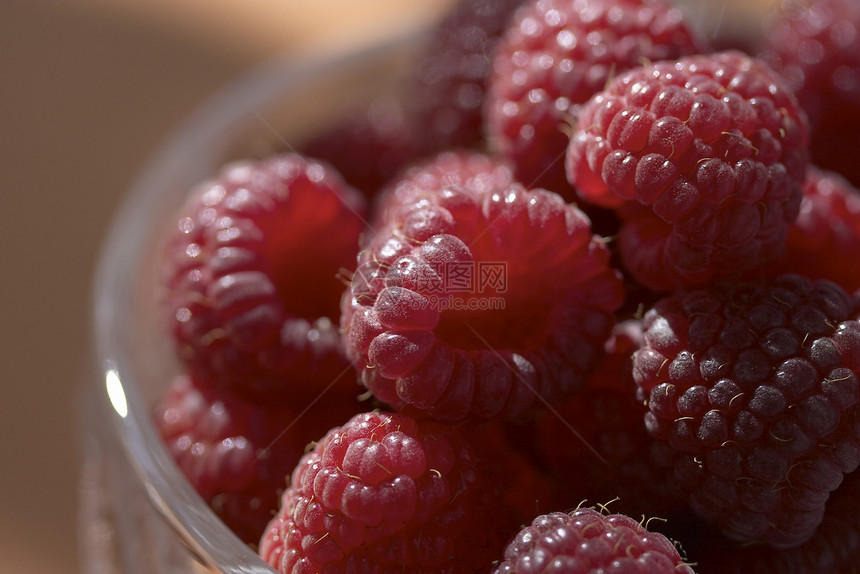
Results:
88 90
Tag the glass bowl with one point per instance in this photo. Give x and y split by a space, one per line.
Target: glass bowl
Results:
138 514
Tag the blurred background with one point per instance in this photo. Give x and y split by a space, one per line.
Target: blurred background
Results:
88 90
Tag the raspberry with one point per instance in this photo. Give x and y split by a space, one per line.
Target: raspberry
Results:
752 393
236 453
251 294
595 445
586 541
835 546
554 56
450 168
523 487
444 95
703 158
384 493
815 45
826 235
372 142
474 300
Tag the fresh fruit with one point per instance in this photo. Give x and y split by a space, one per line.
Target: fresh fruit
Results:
251 293
835 546
479 301
643 346
826 236
385 493
555 55
236 453
374 141
595 445
586 541
752 391
815 45
703 159
444 94
450 168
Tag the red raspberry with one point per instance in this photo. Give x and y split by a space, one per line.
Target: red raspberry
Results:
815 45
384 493
236 453
450 168
826 235
595 445
444 95
473 300
250 275
374 141
505 449
752 391
835 546
704 158
586 541
555 55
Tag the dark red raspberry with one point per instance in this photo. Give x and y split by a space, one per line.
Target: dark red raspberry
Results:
826 236
595 445
371 143
815 45
835 546
704 159
444 95
554 56
385 493
521 485
236 454
479 301
752 391
251 293
586 541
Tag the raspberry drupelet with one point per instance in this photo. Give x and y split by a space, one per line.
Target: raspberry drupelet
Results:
250 289
586 541
478 300
385 493
555 55
703 159
752 393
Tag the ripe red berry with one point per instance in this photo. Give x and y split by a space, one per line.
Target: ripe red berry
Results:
444 93
815 45
556 54
479 301
451 168
373 141
752 391
384 493
586 541
235 453
251 294
703 159
835 546
595 444
824 240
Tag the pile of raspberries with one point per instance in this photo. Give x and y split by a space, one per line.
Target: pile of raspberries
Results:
582 296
